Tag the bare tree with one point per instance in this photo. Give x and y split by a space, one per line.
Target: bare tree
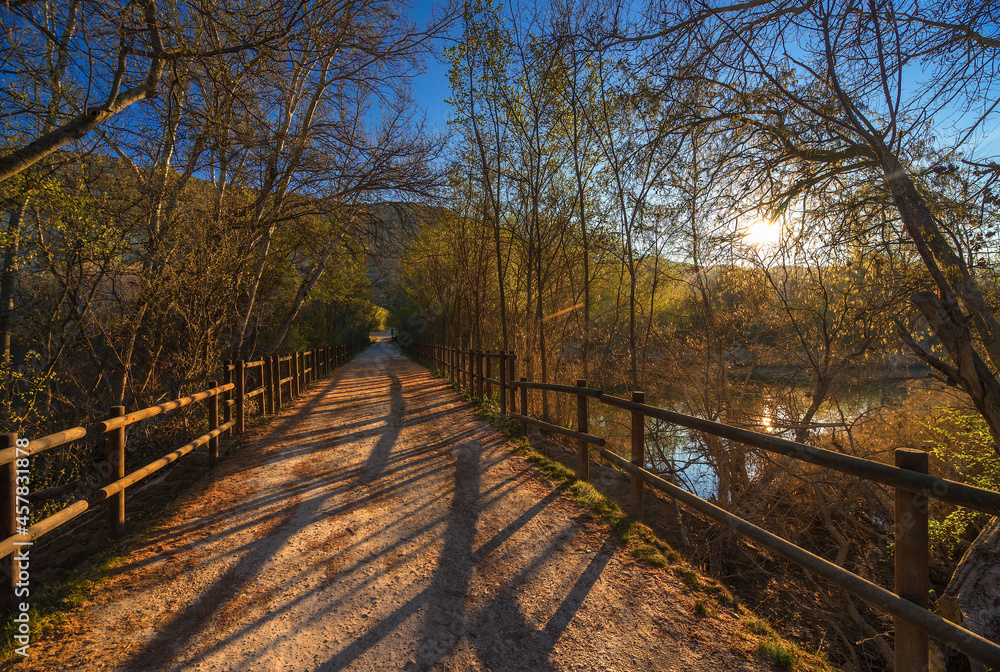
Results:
825 90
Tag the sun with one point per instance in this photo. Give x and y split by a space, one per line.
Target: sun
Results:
762 234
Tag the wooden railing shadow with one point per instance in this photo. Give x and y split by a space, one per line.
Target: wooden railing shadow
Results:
274 379
912 485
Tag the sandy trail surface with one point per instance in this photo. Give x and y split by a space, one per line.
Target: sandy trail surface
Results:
378 525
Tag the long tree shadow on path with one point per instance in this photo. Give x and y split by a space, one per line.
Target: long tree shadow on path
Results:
302 509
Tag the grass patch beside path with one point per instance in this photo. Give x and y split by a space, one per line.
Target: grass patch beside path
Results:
646 547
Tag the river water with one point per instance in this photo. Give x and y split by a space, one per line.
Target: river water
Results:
683 453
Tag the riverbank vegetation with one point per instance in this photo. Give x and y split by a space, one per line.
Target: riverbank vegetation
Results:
778 216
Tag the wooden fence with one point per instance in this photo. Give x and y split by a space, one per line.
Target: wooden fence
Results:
912 485
275 379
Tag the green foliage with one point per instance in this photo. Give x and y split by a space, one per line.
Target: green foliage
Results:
479 61
784 653
22 389
961 441
778 653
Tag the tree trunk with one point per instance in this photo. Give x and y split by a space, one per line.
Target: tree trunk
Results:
7 278
973 594
972 598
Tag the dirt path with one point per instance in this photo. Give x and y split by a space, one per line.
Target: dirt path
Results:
378 525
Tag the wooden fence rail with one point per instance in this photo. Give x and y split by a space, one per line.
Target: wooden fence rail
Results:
230 398
912 485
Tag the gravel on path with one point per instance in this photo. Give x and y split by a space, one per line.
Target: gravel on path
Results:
378 525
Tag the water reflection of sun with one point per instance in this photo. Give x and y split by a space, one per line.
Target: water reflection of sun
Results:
762 234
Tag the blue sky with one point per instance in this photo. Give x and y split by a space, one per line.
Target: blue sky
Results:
431 88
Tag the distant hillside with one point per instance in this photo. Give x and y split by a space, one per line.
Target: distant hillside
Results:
388 229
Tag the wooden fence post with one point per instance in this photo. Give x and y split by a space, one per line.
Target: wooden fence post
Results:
265 383
8 523
467 369
638 454
583 425
240 393
488 365
524 405
502 377
227 407
479 374
213 422
511 375
266 371
911 563
276 363
272 361
269 365
116 470
299 375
